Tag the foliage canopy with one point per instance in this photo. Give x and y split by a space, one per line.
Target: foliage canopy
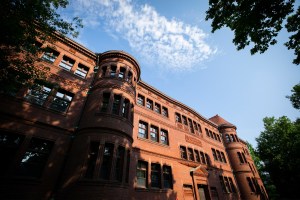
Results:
22 22
295 97
257 22
278 146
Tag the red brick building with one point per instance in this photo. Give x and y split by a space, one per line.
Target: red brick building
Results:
94 130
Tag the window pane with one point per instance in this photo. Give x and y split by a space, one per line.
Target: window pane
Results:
164 137
81 71
153 133
143 130
167 175
35 158
119 163
61 101
92 158
116 104
107 161
66 63
38 94
105 102
155 175
142 174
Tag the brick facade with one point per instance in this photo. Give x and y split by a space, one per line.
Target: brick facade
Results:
94 130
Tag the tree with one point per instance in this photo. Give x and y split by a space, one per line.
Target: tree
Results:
295 97
257 22
22 23
278 146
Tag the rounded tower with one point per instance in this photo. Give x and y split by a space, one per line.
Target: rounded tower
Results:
238 160
100 156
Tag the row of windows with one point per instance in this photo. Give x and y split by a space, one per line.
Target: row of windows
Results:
242 157
105 156
152 106
55 99
227 184
160 177
255 188
212 135
219 155
153 133
193 126
32 162
231 138
117 105
252 167
194 155
122 73
67 63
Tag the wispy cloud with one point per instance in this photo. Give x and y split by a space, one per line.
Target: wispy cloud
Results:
170 43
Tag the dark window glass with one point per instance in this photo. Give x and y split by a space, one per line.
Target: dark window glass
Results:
167 176
164 137
197 158
215 136
223 157
233 189
105 102
38 94
129 77
207 133
207 159
240 157
190 154
113 71
61 101
125 108
222 183
245 160
142 174
219 158
103 71
154 133
9 147
157 108
191 125
92 158
35 158
165 112
81 70
122 72
199 127
250 184
228 189
218 137
143 130
120 163
66 63
232 138
183 153
178 117
141 100
149 104
214 154
107 161
195 125
184 120
116 104
202 157
155 175
227 138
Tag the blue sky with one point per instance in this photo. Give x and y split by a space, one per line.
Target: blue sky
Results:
180 56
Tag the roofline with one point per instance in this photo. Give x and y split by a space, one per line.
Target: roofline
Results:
175 102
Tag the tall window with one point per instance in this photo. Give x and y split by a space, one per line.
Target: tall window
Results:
165 112
154 133
107 161
223 157
35 158
149 104
219 155
197 158
199 127
141 100
127 166
129 77
250 184
143 130
125 108
105 102
227 138
202 157
38 94
119 163
232 186
167 176
191 125
66 63
92 158
184 120
116 104
50 55
183 153
214 154
103 71
190 154
142 174
61 101
155 175
240 157
81 70
113 71
9 147
164 137
207 133
122 72
157 108
178 117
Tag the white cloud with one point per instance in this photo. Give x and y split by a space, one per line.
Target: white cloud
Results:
171 43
